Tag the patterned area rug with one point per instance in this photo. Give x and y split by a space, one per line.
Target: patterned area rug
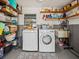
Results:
37 55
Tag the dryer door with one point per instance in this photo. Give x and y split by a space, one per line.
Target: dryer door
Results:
47 39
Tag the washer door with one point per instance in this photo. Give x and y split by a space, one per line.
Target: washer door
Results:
47 39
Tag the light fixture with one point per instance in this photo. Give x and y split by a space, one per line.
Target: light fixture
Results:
43 0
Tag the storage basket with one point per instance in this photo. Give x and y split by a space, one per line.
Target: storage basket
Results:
10 37
63 34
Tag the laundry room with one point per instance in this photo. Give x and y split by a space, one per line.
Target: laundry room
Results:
39 29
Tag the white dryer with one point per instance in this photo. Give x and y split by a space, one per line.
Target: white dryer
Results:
46 40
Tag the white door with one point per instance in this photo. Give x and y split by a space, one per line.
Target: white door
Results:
30 42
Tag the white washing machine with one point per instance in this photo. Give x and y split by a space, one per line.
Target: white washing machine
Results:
46 40
30 40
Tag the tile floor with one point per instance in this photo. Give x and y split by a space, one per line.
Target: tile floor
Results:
60 54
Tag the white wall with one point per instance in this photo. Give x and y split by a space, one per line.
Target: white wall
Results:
33 6
74 20
35 10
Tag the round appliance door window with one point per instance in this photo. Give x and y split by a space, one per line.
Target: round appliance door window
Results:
47 39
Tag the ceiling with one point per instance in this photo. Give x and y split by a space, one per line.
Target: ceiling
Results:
45 3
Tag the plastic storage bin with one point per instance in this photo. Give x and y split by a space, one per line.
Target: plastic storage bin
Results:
13 3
